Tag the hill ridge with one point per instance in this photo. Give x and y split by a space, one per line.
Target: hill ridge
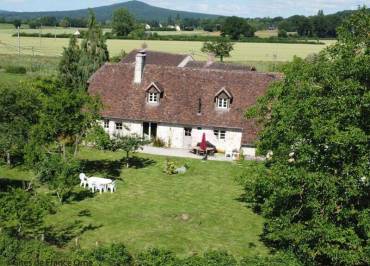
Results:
141 10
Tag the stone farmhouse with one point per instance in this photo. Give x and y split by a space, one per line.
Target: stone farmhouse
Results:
176 99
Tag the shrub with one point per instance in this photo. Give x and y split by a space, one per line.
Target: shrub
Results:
113 255
170 167
282 33
158 142
157 257
219 258
118 58
15 69
278 259
32 252
99 138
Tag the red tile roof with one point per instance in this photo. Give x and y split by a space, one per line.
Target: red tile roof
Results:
156 58
219 66
182 89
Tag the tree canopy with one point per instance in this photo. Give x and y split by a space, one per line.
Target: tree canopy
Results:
122 22
19 111
236 27
315 190
220 48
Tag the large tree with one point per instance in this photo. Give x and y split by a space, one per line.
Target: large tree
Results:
19 112
65 116
69 65
315 189
94 50
123 22
220 48
236 27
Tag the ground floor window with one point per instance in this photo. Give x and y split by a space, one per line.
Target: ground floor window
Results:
106 123
188 131
220 134
119 125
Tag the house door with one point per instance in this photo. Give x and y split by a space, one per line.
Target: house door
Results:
150 130
188 139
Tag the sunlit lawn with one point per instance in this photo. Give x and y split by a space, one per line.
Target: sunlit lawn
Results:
187 213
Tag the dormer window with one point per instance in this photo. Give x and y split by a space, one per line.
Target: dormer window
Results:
153 93
153 97
222 103
223 99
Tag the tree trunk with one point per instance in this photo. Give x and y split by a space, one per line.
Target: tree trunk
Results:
221 58
76 145
60 198
8 161
127 159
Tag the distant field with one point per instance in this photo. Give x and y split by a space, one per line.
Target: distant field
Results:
266 33
242 52
196 32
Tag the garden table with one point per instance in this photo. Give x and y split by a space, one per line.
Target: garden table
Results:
100 181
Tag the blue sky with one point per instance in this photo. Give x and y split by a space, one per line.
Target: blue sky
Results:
245 8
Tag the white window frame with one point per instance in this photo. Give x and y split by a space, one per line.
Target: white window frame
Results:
106 124
119 126
220 134
223 103
153 97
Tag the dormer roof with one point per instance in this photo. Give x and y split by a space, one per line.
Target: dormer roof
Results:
155 85
225 92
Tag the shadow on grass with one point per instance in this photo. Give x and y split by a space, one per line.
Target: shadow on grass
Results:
112 169
7 184
139 162
61 234
80 195
104 168
245 200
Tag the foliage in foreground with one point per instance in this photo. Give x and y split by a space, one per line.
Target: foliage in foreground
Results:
22 213
35 252
315 190
18 108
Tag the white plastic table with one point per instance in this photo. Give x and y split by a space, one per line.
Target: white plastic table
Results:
100 181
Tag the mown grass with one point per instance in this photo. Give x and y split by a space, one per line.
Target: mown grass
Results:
242 51
35 66
149 207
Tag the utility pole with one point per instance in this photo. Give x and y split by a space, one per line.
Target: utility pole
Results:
19 42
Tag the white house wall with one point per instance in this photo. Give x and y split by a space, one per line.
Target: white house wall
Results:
173 135
127 127
232 139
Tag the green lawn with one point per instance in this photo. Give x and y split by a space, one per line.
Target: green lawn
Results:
10 79
147 209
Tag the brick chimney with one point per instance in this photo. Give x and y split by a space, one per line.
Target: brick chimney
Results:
139 66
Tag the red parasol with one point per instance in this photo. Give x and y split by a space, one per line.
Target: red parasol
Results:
203 144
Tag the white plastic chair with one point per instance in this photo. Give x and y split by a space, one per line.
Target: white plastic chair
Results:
91 185
100 188
112 187
83 180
